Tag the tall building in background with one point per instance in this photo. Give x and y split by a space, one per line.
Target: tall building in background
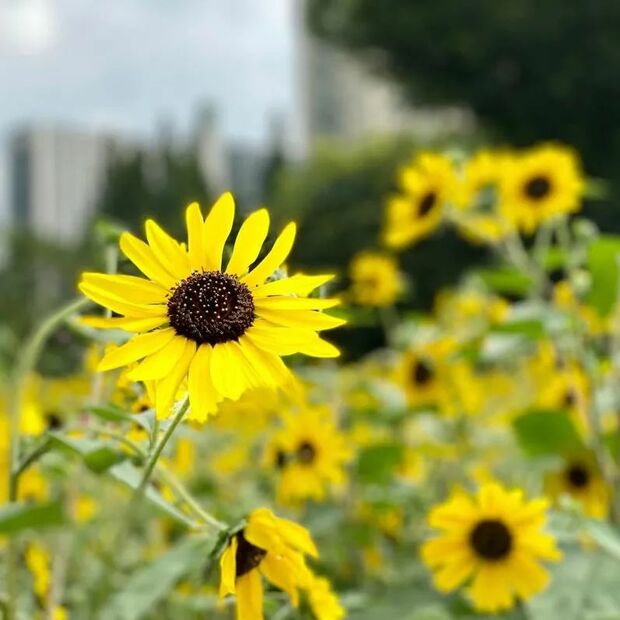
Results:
339 97
56 176
211 150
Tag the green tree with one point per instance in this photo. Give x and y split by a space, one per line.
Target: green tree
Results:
530 70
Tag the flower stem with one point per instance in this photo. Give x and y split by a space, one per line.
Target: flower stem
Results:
159 448
24 365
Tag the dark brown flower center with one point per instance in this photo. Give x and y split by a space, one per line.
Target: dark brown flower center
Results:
248 556
281 459
577 476
306 452
422 373
211 307
429 200
54 421
537 187
491 539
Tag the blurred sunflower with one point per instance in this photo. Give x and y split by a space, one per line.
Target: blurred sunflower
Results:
427 185
539 184
323 601
309 453
581 479
375 280
223 328
479 220
494 540
267 546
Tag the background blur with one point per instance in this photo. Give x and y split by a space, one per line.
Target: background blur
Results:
112 112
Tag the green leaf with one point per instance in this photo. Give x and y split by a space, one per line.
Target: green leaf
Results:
97 455
544 432
530 328
606 535
377 463
16 517
130 475
602 262
110 413
149 585
506 280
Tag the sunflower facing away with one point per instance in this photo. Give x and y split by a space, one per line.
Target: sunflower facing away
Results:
493 541
427 185
267 546
540 184
223 327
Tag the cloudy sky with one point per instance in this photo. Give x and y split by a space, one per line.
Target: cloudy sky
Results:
125 64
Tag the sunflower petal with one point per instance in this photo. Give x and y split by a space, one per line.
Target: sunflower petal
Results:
120 322
276 256
202 393
250 596
295 303
159 364
120 306
298 284
195 237
143 257
137 348
217 227
305 319
166 389
226 375
249 242
167 251
228 568
139 290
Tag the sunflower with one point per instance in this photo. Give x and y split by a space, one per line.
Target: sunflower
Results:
309 453
224 328
427 185
581 479
478 219
323 601
267 546
375 279
540 184
494 540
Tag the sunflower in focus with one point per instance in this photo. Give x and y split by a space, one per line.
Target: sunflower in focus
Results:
540 184
493 541
267 546
222 327
479 220
581 479
375 280
427 185
309 453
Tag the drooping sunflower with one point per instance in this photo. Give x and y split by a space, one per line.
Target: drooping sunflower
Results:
309 453
540 184
580 478
427 185
267 546
223 327
375 280
494 541
478 219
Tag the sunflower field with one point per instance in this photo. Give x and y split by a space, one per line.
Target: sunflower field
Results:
216 455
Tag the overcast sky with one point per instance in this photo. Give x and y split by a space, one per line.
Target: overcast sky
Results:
125 64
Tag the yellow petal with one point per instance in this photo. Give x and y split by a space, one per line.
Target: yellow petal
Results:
250 596
159 364
217 228
298 284
295 303
269 367
137 348
129 325
202 393
278 571
120 306
195 237
167 251
276 256
249 242
138 290
226 375
305 319
166 389
142 256
228 568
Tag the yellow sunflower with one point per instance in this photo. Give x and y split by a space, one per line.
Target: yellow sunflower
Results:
493 540
224 328
267 546
427 185
375 280
323 601
478 219
540 184
581 479
310 454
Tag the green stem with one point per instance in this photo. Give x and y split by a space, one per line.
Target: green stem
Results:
24 366
159 448
31 458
